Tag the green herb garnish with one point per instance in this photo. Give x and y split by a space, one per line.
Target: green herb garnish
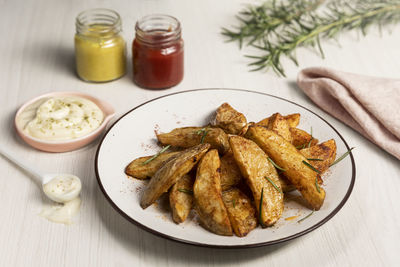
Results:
302 219
278 27
309 143
260 208
311 159
310 166
342 157
233 203
203 132
156 155
189 192
301 146
275 165
316 184
277 188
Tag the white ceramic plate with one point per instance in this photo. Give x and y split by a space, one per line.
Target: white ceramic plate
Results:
133 136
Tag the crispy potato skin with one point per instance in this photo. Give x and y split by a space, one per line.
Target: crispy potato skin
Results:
241 212
293 120
279 125
255 166
138 170
181 202
230 173
190 136
171 172
288 157
229 119
302 138
325 151
208 195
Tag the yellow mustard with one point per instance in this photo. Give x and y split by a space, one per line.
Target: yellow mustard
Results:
100 50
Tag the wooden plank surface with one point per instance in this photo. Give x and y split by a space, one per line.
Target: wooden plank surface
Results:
37 56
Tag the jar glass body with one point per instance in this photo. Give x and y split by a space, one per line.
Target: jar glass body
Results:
158 52
100 50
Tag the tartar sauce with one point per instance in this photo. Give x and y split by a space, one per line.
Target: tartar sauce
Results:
60 118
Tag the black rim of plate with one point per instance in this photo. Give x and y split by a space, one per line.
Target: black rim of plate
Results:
272 242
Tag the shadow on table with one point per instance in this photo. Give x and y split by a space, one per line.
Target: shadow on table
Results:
58 58
134 238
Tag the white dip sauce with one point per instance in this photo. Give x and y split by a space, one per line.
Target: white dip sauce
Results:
65 189
62 213
60 118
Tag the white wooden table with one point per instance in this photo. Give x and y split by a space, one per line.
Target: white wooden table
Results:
36 56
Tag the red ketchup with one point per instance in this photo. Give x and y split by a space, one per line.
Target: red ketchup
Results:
157 52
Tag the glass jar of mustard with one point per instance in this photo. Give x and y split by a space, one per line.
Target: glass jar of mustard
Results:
157 52
100 50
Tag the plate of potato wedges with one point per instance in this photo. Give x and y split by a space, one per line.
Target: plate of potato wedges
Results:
225 168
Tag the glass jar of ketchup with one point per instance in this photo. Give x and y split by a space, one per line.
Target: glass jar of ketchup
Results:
157 52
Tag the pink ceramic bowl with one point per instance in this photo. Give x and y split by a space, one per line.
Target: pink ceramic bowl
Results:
67 145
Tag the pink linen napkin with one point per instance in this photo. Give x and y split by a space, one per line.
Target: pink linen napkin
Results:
369 105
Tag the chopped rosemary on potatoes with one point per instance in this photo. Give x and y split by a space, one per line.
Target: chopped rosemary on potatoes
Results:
276 165
302 219
276 187
317 185
310 166
342 157
156 155
311 159
309 143
203 132
260 208
189 192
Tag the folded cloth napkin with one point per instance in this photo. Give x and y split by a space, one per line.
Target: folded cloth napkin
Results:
369 105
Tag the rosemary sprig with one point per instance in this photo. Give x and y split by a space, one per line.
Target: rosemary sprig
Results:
317 185
183 190
342 157
302 219
316 177
310 166
265 19
156 155
260 208
233 203
309 143
203 132
276 187
311 159
279 27
276 165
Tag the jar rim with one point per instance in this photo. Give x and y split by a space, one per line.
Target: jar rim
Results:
100 16
167 28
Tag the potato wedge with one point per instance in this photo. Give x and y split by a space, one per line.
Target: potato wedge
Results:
229 119
181 198
191 136
171 172
292 119
302 139
287 186
325 151
145 171
230 173
279 125
208 195
255 168
289 158
242 214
